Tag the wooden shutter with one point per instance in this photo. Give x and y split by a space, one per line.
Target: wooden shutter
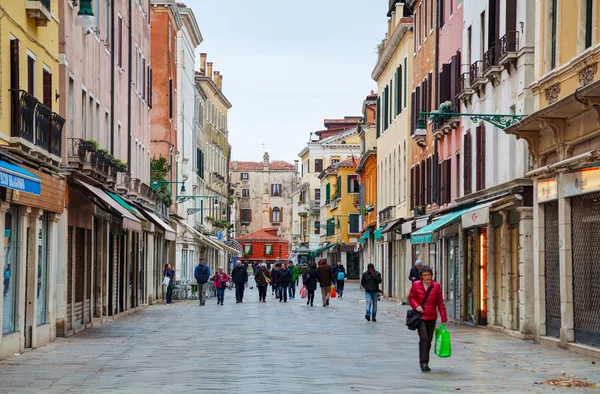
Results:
441 13
449 181
15 85
47 90
412 188
281 215
349 180
144 78
170 98
378 117
120 44
423 184
480 148
511 16
150 86
30 76
493 23
429 92
454 65
443 183
417 106
467 163
399 89
327 193
413 117
280 190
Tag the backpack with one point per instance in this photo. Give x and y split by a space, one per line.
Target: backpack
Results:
7 274
341 275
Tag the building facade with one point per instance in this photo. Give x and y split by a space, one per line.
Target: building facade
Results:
264 195
264 246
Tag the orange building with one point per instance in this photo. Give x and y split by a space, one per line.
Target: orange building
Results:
264 246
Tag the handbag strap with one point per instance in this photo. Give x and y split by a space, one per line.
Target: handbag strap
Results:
427 295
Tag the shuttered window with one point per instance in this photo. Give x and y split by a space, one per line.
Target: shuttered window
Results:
467 165
170 98
448 181
150 87
589 6
31 75
443 184
405 68
423 184
378 117
120 43
480 157
327 193
47 84
15 70
412 188
413 110
353 223
399 90
429 98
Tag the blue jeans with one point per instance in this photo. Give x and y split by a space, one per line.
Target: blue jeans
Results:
371 303
220 295
283 292
292 289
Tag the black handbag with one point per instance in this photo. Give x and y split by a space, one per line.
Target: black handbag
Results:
413 318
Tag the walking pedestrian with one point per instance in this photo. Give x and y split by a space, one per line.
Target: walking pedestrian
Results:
262 279
325 278
294 273
429 309
334 268
6 279
239 277
370 282
169 273
283 281
202 274
341 277
310 281
415 272
220 280
275 280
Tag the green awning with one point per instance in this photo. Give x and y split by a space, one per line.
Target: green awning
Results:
122 202
365 236
315 252
378 232
425 235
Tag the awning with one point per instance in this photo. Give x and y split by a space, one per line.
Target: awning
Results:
126 205
315 252
14 177
170 235
365 236
378 233
390 225
130 222
224 246
478 215
198 235
425 235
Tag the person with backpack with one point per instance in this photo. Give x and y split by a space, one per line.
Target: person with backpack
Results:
334 268
202 275
426 297
341 277
309 279
370 282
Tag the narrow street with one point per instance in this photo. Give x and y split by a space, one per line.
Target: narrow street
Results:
276 347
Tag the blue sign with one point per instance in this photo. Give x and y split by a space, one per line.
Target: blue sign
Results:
16 178
220 236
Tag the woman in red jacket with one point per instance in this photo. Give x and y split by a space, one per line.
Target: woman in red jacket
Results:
434 302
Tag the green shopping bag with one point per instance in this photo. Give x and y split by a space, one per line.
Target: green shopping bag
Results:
442 342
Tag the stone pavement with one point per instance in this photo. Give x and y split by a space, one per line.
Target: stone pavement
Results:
292 348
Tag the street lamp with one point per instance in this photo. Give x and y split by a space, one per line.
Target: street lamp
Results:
85 16
421 127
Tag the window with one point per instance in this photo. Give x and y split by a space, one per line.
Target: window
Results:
426 19
170 38
71 99
334 161
83 115
47 88
338 189
107 131
42 271
244 175
405 83
353 223
276 215
11 274
120 43
268 250
245 192
589 6
98 121
170 98
467 163
405 169
317 194
353 184
432 14
246 215
457 193
330 227
276 190
31 75
247 250
480 157
107 23
318 165
90 126
327 194
317 227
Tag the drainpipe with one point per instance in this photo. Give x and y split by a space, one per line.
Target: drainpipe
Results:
130 76
112 79
436 169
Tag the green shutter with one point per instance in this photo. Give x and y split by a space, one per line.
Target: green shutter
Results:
405 83
339 187
349 183
327 193
378 117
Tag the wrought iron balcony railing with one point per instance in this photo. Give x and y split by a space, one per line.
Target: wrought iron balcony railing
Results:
476 71
509 43
491 58
36 123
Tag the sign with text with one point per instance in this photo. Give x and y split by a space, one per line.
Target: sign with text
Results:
581 182
547 190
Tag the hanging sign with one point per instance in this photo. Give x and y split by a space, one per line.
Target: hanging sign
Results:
547 190
581 182
476 217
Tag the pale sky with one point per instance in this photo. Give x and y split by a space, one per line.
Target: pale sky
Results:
287 65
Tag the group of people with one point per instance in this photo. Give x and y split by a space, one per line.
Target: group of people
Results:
425 294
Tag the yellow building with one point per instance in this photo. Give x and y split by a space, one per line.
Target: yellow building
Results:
340 185
564 142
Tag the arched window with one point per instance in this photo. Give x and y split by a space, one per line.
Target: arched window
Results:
276 215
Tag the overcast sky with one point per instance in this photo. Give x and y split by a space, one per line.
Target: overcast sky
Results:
287 65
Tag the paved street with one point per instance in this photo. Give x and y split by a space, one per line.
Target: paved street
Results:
291 348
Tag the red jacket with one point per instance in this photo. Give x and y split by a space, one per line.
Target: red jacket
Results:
435 300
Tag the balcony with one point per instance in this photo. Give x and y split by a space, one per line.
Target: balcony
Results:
39 10
477 79
464 90
491 63
509 46
98 164
387 214
35 129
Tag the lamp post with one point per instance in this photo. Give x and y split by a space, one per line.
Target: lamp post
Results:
85 16
502 121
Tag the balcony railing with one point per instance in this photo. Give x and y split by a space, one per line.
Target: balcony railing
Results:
36 123
509 43
491 58
464 84
476 71
387 214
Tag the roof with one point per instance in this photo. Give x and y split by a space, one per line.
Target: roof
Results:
260 235
275 165
347 120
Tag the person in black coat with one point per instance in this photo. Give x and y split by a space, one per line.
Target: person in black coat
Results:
309 279
283 280
239 276
275 280
340 277
415 272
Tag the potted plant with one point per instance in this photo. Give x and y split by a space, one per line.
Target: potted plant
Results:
120 166
209 219
89 145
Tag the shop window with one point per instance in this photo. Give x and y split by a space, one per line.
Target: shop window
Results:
42 270
10 300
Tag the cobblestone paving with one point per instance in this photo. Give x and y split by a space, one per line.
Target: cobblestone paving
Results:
290 348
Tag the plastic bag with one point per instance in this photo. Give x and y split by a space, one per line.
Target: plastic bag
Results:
442 342
303 292
333 292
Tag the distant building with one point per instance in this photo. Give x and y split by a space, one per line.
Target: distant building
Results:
264 246
264 192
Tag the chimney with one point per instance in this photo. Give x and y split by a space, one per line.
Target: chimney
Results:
221 82
266 161
203 63
218 79
296 165
209 71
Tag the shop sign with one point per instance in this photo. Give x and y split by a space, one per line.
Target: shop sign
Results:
581 182
476 217
547 190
